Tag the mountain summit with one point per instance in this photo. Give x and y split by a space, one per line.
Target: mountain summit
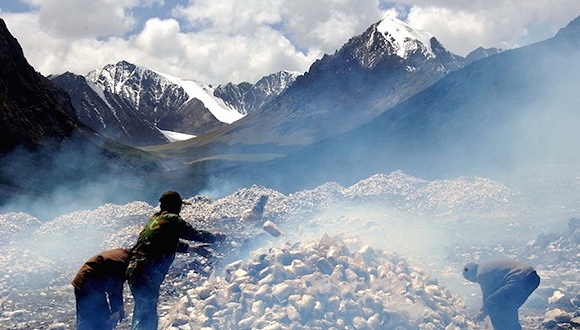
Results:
506 115
371 73
407 39
391 41
170 103
389 37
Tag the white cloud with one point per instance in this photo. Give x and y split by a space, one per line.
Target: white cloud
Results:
220 41
328 24
95 18
464 26
459 32
159 37
230 17
206 56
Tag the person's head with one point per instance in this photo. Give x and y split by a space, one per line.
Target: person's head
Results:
171 201
470 271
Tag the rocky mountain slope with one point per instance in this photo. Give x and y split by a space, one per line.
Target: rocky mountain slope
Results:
162 100
33 110
109 114
246 97
131 104
515 111
44 146
367 76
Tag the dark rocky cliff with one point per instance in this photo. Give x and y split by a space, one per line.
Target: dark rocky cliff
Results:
32 109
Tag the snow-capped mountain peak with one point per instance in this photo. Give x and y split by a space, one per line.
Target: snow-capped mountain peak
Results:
405 38
182 105
116 77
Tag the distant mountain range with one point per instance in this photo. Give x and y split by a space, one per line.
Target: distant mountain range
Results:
391 98
371 73
386 64
511 113
515 111
133 105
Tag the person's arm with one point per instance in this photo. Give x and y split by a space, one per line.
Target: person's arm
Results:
186 231
201 249
483 311
488 287
479 317
182 247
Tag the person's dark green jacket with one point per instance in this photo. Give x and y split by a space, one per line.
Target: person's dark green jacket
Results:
161 237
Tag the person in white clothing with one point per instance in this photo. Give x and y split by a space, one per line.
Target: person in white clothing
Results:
505 285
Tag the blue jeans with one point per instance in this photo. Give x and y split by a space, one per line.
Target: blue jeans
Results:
145 283
92 310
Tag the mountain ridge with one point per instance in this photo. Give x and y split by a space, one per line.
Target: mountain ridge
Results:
511 111
335 95
25 94
137 99
122 124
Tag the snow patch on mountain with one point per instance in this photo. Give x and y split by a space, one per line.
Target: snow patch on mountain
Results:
101 94
205 93
405 38
176 136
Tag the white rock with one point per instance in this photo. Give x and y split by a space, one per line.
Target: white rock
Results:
359 323
179 320
556 316
374 321
258 307
292 313
203 292
272 229
247 323
210 310
282 291
298 268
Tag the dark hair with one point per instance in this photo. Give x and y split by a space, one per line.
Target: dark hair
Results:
170 201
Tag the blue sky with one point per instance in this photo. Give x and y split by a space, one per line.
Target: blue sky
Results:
220 41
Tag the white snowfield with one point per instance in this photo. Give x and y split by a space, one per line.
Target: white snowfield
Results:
127 84
380 254
404 37
205 93
176 136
